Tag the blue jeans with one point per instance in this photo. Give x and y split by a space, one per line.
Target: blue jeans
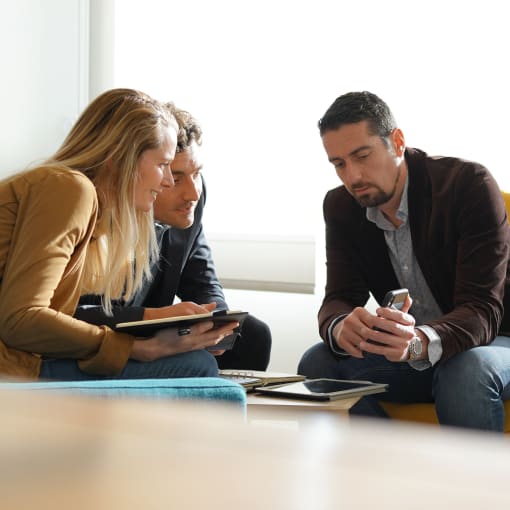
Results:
190 364
468 389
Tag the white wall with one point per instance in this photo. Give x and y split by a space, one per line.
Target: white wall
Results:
44 58
259 74
291 317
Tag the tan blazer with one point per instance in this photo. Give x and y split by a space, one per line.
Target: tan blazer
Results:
47 217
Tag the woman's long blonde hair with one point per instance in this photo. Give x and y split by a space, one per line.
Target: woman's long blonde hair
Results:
105 144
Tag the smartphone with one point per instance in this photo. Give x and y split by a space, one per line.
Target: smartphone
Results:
395 298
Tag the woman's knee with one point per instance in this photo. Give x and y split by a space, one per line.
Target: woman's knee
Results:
202 363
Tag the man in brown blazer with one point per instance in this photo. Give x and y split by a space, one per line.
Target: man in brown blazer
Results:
436 226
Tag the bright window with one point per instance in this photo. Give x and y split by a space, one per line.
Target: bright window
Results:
258 75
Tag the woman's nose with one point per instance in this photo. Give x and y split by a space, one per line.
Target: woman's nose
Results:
168 179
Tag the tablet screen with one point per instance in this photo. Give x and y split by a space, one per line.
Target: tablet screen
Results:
324 386
324 389
332 386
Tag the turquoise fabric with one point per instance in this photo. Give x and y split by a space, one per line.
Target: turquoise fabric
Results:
193 388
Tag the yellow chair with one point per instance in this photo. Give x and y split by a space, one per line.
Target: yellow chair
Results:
426 413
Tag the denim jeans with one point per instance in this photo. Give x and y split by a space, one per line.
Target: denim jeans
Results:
190 364
468 389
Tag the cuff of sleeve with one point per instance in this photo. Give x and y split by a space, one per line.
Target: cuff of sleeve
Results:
112 355
331 341
435 349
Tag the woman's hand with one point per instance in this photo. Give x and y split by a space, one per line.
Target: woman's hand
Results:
168 342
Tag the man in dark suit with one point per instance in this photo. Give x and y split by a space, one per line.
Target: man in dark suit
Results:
185 268
436 226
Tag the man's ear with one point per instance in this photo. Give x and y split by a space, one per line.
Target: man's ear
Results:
398 141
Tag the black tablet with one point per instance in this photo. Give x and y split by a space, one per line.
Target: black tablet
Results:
148 328
323 389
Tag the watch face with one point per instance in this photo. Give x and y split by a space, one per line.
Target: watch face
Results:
415 348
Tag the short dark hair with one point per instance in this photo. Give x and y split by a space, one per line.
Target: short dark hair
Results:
189 129
356 107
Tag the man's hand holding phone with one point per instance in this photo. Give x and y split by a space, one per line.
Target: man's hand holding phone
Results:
388 333
349 333
393 327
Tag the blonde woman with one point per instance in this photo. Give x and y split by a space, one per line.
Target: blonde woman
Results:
75 225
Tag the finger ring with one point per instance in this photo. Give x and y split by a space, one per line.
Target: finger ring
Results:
183 331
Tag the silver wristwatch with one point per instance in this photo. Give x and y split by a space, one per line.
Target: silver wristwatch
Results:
415 349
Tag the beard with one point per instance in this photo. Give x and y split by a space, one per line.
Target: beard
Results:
381 197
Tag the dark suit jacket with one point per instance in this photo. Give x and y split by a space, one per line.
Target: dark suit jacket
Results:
185 270
460 238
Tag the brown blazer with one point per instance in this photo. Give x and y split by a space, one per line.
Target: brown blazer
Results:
460 238
47 217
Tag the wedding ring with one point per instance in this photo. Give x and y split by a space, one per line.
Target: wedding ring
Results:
183 331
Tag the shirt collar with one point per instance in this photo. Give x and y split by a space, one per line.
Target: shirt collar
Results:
376 216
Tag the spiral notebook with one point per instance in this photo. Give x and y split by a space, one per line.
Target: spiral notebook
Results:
251 379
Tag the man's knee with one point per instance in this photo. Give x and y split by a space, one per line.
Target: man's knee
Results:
467 390
258 332
464 370
315 361
252 349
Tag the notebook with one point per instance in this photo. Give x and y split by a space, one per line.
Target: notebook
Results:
147 328
255 378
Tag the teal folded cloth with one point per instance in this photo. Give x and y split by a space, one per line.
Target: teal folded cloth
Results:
187 388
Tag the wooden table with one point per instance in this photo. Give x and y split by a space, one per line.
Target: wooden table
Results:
64 453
